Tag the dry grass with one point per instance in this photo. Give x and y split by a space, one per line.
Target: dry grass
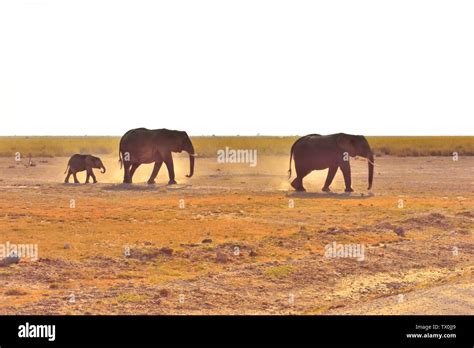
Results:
282 249
207 146
46 146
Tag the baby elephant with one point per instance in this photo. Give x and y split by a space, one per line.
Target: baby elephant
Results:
79 163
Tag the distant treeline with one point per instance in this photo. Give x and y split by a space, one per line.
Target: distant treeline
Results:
207 146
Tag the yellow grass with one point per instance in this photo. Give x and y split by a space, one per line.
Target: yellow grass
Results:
279 271
207 146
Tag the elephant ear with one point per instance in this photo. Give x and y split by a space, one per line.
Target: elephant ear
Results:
89 161
183 139
347 143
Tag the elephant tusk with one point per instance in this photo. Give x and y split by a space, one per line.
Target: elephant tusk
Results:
193 154
364 159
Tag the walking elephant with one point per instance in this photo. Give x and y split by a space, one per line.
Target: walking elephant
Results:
142 145
79 163
315 152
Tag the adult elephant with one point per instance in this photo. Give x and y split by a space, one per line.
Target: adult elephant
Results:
142 145
314 152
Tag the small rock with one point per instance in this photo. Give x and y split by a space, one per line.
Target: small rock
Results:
166 251
207 240
437 216
164 292
9 260
400 231
252 253
147 243
221 257
67 246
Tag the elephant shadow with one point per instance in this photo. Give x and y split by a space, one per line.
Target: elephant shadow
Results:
145 187
331 195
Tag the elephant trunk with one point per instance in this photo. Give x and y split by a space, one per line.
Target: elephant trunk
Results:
191 160
102 168
191 166
370 161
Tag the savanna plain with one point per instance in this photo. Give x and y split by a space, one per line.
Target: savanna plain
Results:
237 239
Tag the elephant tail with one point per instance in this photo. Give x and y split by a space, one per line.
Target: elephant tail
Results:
291 156
120 159
67 167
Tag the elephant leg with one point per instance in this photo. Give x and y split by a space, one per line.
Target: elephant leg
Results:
93 177
88 174
126 173
133 170
67 176
170 166
346 171
331 173
297 184
154 173
75 178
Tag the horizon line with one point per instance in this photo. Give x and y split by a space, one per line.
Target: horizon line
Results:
233 135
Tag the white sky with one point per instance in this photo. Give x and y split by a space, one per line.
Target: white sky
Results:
237 67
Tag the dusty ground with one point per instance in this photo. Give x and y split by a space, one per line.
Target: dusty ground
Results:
133 250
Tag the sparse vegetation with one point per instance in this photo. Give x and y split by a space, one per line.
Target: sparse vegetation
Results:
124 298
129 242
15 292
279 271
